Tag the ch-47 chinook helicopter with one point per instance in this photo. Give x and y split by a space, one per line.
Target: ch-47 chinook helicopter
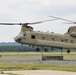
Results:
46 39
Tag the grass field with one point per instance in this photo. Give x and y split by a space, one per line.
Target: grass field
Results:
23 66
37 54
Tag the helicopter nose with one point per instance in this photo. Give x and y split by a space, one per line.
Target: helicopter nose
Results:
17 39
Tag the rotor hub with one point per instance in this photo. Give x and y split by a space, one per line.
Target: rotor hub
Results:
26 28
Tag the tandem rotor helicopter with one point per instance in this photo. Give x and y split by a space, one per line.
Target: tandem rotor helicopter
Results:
46 39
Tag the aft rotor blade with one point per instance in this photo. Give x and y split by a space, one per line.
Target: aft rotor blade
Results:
70 23
63 19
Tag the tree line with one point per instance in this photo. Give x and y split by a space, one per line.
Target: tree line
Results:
24 48
16 49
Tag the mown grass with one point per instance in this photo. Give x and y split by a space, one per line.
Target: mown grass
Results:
21 66
36 54
20 54
12 74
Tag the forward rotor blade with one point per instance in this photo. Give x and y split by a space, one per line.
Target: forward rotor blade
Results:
42 21
10 23
26 23
63 19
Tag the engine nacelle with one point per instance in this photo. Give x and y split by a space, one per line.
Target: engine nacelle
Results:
73 34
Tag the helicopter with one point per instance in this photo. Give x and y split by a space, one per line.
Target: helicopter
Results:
46 39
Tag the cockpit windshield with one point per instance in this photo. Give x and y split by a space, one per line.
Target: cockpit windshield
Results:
21 34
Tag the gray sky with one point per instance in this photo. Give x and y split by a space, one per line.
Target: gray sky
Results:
35 10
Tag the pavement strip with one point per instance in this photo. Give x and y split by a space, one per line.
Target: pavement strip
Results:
39 72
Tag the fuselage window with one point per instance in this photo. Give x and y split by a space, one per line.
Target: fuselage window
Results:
32 36
43 38
53 39
71 41
66 40
62 40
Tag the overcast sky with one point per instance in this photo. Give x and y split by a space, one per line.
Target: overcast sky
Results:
35 10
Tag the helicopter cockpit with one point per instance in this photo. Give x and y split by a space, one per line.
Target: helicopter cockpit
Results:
20 37
21 34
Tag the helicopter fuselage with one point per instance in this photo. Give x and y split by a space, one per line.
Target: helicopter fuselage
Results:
46 39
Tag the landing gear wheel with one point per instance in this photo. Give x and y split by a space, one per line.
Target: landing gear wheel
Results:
37 49
68 51
46 49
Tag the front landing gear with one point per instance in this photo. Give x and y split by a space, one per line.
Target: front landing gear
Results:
37 49
68 51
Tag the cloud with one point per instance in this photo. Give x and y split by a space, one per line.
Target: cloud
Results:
35 10
25 8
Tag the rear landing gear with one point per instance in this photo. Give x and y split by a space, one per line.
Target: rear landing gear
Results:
46 49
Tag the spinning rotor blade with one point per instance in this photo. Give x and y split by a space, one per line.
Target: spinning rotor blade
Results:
42 21
9 24
70 22
27 23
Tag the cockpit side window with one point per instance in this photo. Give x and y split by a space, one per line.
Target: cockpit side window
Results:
21 34
24 34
